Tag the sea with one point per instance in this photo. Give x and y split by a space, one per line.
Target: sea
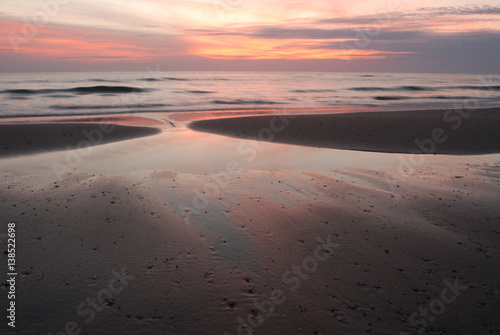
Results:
84 93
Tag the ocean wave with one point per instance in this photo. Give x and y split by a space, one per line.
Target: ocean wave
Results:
399 88
17 97
150 79
78 90
201 92
444 97
77 107
179 79
83 112
415 88
425 88
244 102
370 89
480 88
60 96
391 98
107 89
313 91
437 97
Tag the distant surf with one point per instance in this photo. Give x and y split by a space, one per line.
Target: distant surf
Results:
33 94
79 90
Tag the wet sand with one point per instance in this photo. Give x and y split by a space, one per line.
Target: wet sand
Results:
263 250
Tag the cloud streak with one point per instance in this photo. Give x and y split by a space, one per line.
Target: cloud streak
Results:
461 10
117 32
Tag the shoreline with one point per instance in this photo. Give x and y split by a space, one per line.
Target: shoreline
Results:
448 132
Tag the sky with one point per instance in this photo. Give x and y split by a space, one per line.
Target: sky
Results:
440 36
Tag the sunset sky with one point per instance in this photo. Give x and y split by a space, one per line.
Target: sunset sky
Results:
293 35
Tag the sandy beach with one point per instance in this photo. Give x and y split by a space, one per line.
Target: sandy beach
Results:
35 138
168 227
450 132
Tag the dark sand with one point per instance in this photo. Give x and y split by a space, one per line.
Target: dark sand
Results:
19 139
451 132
